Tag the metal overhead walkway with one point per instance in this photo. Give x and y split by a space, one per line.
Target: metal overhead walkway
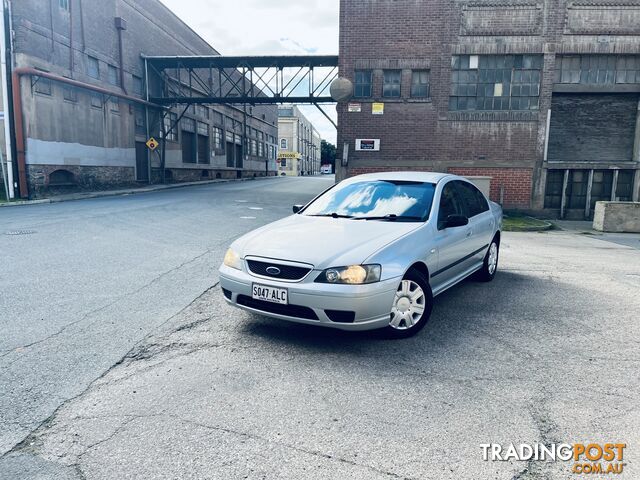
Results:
235 80
242 80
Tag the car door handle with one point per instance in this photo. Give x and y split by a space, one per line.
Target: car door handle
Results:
469 233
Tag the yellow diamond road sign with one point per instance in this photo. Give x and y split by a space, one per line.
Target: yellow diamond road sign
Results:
152 143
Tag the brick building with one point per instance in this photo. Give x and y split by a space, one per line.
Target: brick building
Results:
542 96
81 116
298 143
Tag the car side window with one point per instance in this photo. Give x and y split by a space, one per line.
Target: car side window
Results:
473 200
450 204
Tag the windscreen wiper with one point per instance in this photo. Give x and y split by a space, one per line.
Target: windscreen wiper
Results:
332 215
392 217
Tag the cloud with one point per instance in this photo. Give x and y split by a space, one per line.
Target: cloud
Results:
267 27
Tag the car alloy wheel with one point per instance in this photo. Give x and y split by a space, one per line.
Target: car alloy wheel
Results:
492 261
408 306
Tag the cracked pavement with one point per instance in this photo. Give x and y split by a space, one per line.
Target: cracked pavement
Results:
170 382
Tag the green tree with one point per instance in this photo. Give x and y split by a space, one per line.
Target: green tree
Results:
328 154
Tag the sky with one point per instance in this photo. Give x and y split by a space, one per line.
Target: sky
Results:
268 27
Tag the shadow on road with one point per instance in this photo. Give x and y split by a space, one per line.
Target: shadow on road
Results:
455 311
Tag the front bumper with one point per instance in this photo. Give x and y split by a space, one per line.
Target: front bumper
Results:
371 303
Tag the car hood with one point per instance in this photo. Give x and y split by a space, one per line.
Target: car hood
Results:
321 241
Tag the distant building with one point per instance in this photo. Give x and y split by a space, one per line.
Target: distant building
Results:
538 98
298 143
84 122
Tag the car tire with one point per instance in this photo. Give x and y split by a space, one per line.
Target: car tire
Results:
412 305
490 263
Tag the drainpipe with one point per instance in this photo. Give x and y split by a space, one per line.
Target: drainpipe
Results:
19 132
71 61
5 42
121 25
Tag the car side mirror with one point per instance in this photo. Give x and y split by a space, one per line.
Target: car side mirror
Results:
456 221
297 208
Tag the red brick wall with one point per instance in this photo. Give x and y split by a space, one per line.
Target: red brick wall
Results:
515 182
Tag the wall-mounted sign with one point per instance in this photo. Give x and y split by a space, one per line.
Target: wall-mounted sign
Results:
289 155
368 144
377 108
354 107
152 144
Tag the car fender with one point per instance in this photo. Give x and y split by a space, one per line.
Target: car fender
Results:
398 256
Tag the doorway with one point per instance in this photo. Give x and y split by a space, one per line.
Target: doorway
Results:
142 162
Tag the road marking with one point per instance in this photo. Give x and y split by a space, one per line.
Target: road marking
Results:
248 218
256 208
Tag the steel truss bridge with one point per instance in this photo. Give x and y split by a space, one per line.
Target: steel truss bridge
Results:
240 80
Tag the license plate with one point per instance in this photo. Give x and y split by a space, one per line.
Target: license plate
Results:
269 294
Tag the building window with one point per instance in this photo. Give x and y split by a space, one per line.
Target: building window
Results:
137 85
43 86
598 69
64 4
114 105
112 75
495 82
553 192
93 67
141 127
362 87
203 111
70 94
420 84
254 147
217 138
96 100
284 145
170 127
391 83
260 149
203 129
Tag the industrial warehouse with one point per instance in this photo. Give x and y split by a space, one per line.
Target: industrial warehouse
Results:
537 100
81 119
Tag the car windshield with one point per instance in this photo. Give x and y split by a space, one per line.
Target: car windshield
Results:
391 200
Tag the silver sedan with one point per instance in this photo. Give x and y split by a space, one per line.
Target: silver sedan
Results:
371 252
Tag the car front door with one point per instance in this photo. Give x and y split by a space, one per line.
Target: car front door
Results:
451 242
481 220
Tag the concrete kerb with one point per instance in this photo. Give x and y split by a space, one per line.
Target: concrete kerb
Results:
129 191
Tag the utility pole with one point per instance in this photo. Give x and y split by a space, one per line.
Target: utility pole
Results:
8 174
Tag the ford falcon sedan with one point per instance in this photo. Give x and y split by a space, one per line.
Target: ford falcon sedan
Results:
371 252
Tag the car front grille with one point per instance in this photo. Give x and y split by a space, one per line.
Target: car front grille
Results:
286 272
296 311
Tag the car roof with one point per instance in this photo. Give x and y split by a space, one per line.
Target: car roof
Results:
427 177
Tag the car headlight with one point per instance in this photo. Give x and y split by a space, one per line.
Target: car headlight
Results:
351 275
232 259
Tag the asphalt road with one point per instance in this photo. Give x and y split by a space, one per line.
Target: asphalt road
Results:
126 363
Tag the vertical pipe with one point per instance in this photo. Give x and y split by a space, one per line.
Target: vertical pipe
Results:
587 206
146 114
71 60
563 201
19 130
547 133
4 78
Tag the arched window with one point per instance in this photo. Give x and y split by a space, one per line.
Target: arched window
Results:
284 144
